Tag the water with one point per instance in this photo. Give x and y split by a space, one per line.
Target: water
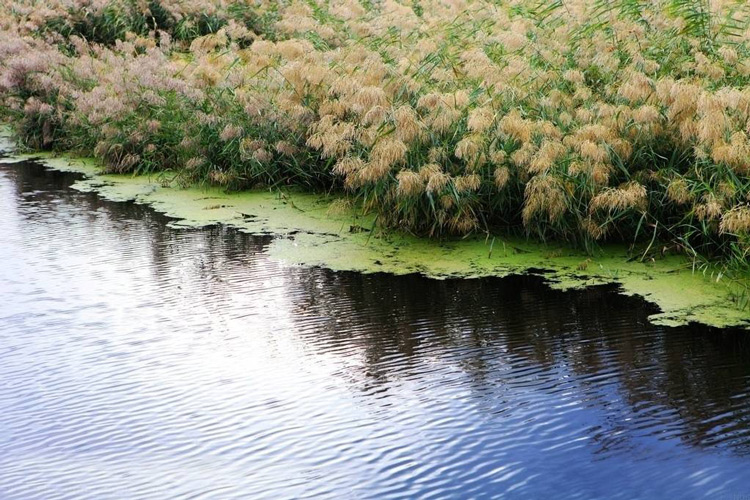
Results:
138 361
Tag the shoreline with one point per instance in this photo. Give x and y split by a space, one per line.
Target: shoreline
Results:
308 233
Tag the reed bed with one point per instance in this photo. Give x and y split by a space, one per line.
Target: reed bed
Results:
576 120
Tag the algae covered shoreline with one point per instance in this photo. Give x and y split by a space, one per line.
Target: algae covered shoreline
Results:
309 230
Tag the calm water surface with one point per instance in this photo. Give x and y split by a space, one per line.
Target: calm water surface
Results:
138 361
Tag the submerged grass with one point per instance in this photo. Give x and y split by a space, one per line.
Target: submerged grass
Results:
576 121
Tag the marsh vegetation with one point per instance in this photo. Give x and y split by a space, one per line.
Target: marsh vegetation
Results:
573 120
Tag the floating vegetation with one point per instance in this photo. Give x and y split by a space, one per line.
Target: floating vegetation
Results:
585 122
328 231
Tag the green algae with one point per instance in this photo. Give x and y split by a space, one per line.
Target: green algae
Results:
310 233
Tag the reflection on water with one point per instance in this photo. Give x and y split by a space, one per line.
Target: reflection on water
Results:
140 361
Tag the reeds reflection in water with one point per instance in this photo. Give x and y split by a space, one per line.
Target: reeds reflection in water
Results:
144 361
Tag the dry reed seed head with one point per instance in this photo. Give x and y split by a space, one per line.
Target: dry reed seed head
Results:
600 173
463 223
574 76
367 97
712 119
544 195
286 148
33 106
343 87
728 54
101 149
736 221
437 181
498 157
549 154
410 184
408 126
332 138
743 67
294 49
443 119
515 127
595 132
593 152
248 146
128 161
735 153
646 115
429 101
663 91
187 143
554 101
638 87
501 176
388 152
348 165
220 177
206 119
262 156
447 201
368 136
584 115
614 117
688 130
577 167
467 183
334 108
631 195
565 119
650 66
231 132
679 192
593 229
426 171
704 66
375 116
468 148
460 99
582 94
109 131
135 137
210 42
153 126
735 101
545 129
709 208
683 100
480 119
522 156
436 155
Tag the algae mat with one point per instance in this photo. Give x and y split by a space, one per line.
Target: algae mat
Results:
310 231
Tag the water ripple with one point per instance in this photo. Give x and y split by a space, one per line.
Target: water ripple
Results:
141 361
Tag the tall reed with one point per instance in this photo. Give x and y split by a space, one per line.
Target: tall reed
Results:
572 120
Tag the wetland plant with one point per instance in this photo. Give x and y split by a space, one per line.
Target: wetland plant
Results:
571 120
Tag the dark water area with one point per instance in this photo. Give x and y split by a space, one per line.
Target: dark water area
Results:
140 361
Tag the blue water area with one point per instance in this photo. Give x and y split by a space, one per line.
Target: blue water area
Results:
141 361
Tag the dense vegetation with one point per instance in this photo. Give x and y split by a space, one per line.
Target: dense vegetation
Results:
580 120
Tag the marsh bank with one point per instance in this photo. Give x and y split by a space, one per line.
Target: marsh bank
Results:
313 230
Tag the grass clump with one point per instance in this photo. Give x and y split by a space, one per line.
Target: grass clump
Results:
570 120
